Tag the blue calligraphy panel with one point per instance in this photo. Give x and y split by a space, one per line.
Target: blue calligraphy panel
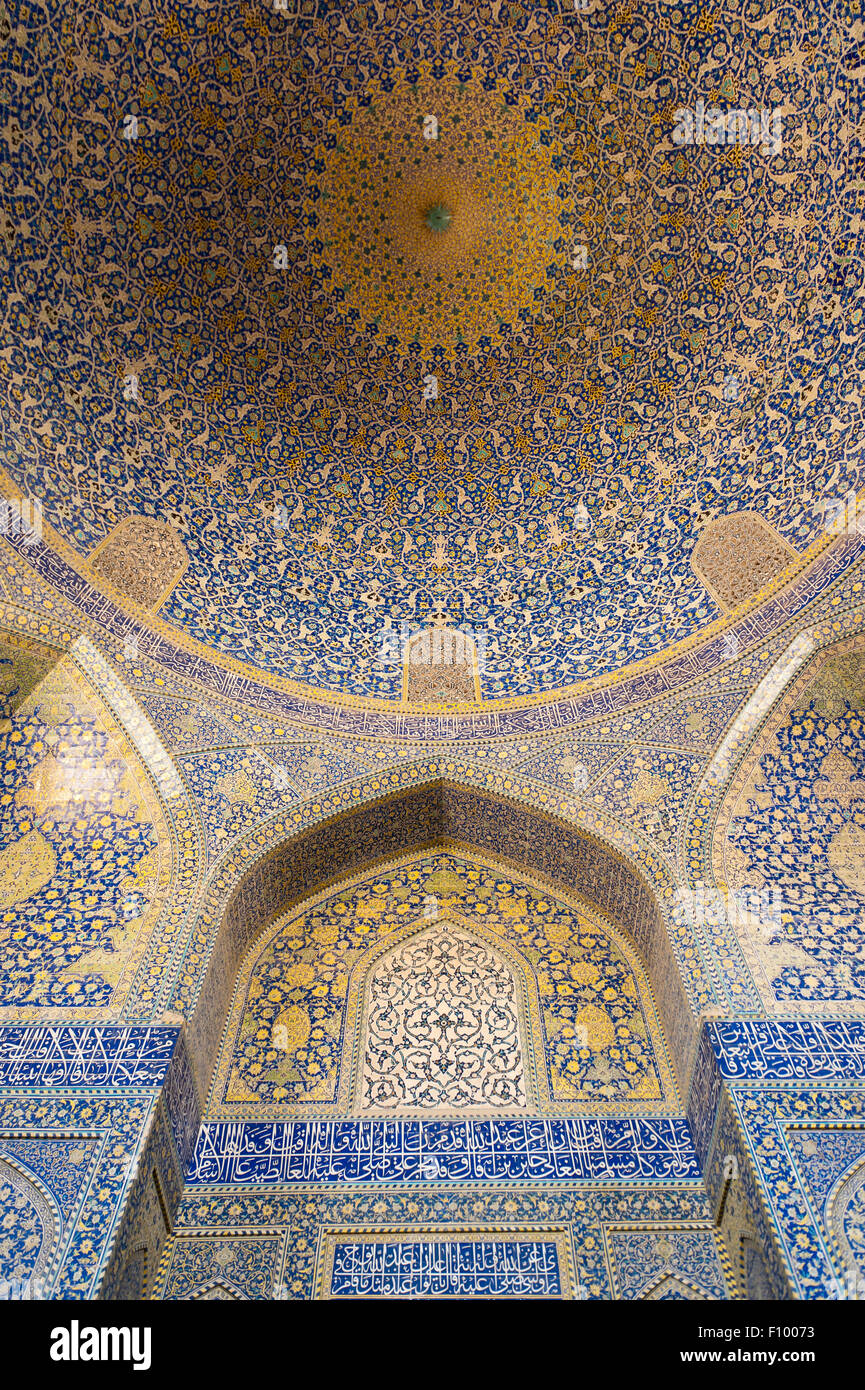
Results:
65 1055
789 1049
380 1151
445 1269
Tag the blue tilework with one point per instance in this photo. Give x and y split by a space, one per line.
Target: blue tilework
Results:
789 1050
365 1151
66 1055
445 1269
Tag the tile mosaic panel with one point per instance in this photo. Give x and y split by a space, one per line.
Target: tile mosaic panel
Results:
298 1034
399 1151
86 863
651 1262
70 1055
792 824
86 1146
773 1121
227 1242
455 1267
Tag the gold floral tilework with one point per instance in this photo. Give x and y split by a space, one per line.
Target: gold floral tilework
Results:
298 1023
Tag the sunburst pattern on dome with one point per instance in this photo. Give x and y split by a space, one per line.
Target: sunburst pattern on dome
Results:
587 423
440 241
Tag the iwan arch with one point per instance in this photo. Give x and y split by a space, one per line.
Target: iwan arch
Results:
279 1034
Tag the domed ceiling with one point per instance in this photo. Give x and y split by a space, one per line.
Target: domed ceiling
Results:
377 380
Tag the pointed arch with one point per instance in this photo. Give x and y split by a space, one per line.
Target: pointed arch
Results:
30 1191
674 1286
103 764
276 870
737 556
846 1199
217 1290
292 1044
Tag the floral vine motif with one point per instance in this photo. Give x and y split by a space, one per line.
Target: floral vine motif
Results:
442 1028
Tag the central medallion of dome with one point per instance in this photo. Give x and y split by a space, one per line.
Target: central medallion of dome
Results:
439 217
440 242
